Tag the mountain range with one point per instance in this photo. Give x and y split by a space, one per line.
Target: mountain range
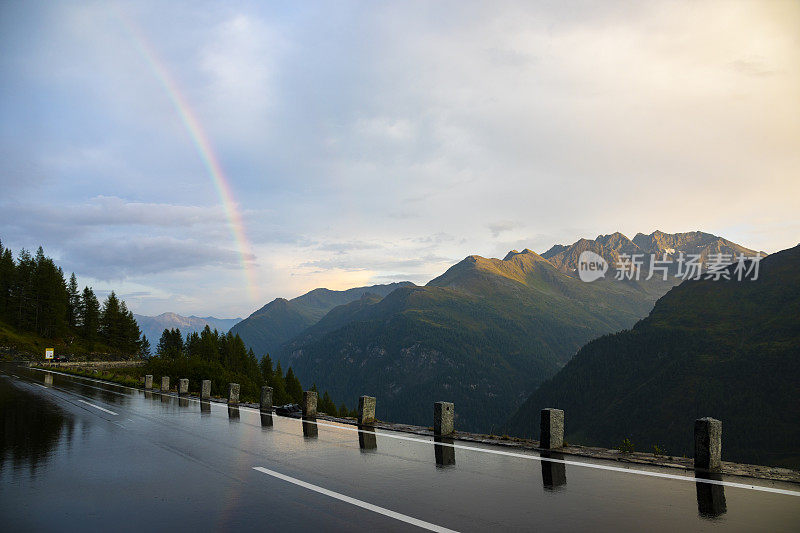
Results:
267 329
485 334
154 326
726 349
664 246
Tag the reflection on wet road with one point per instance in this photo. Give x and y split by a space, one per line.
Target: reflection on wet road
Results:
79 453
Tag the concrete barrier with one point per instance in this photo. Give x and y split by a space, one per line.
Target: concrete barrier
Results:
164 383
148 382
551 429
183 386
309 403
366 410
233 394
443 418
707 443
266 399
205 389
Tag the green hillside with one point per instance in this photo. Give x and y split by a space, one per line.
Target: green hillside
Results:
484 335
726 349
280 320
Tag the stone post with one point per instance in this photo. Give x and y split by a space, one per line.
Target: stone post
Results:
148 382
708 443
266 399
551 429
233 393
443 415
366 410
309 403
183 386
205 390
164 383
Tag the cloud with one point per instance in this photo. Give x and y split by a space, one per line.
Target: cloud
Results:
344 247
499 227
387 264
50 221
139 257
381 139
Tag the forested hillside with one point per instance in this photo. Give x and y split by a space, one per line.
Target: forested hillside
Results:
280 320
484 335
726 348
38 303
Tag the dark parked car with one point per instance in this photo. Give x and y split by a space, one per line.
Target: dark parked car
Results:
290 409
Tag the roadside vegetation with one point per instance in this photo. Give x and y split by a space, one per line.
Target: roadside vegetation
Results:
40 308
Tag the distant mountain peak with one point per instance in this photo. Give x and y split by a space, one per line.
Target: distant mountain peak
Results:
510 255
659 243
153 326
268 328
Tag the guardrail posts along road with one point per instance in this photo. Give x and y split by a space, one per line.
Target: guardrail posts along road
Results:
183 386
551 429
309 403
205 389
233 393
366 410
708 443
443 416
164 383
266 399
148 382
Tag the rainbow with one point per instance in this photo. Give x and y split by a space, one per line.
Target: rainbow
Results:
204 150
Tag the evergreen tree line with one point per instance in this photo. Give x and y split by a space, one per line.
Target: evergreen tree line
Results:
223 358
35 297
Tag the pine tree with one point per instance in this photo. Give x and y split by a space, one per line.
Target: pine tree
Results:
21 309
130 332
294 390
170 346
7 276
279 386
73 302
327 406
89 317
144 347
111 326
265 366
209 344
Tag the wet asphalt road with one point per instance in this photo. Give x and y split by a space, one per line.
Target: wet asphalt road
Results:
79 454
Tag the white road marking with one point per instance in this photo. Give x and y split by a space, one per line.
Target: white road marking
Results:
530 457
353 501
98 407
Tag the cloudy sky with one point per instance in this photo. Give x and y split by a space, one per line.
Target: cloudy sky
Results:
370 142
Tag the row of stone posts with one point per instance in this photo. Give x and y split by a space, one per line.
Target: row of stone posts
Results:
707 431
707 438
205 388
